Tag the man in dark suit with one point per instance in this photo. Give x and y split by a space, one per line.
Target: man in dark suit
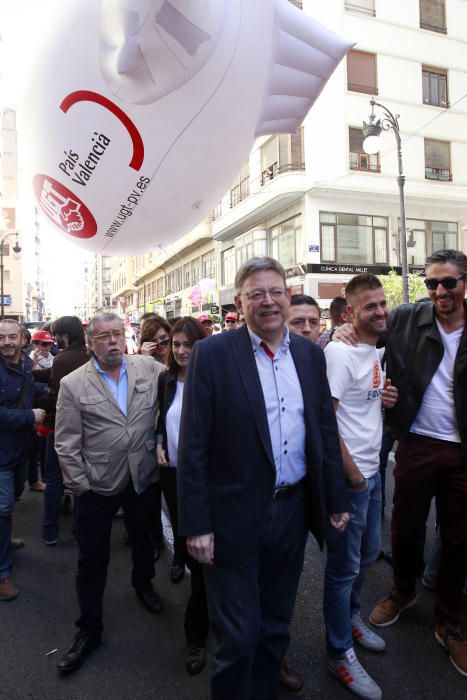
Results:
246 511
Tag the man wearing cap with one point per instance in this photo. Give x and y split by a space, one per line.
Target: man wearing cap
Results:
40 354
230 321
207 323
246 510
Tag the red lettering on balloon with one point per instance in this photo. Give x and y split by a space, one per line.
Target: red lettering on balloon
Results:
89 96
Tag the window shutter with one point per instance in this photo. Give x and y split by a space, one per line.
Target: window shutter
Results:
296 147
355 140
432 14
437 154
361 72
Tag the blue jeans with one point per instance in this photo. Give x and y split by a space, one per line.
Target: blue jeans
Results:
7 500
53 491
348 556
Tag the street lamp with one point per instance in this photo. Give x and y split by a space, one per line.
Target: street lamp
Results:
16 255
372 144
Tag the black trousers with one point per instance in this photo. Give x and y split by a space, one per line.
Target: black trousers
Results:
94 517
251 605
196 614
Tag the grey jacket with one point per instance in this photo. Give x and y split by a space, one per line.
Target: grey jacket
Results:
97 445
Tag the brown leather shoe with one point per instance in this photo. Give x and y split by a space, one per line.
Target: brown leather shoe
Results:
38 486
450 637
388 610
16 543
8 590
291 680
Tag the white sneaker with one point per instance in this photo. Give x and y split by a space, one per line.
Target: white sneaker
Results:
352 674
365 637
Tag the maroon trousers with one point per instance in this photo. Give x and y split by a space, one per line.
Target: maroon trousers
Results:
426 467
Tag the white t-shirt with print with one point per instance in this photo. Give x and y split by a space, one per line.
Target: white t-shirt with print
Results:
436 417
356 379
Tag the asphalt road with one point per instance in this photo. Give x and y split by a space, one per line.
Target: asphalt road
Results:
143 655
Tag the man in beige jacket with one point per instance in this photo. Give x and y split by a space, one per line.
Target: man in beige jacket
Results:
104 438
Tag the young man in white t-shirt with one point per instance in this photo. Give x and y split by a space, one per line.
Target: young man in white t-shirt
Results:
359 391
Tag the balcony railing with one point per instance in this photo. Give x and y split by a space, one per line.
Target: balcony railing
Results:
239 192
363 161
275 169
362 9
433 27
438 174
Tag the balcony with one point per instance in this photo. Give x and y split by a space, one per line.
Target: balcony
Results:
443 174
363 161
275 169
239 192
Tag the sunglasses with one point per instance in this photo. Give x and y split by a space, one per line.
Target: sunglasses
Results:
161 343
42 344
432 283
229 320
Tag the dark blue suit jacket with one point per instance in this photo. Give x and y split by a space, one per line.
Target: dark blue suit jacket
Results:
226 472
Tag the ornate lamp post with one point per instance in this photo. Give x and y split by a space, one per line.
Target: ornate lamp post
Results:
16 254
372 144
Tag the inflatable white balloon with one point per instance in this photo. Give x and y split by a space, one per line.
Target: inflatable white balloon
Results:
143 111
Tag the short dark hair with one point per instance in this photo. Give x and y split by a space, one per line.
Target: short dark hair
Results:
449 255
72 327
337 307
361 282
151 325
299 299
194 331
253 265
26 335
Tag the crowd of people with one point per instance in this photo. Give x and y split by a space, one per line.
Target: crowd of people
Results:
316 412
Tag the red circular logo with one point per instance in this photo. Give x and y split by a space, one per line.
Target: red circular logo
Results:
63 207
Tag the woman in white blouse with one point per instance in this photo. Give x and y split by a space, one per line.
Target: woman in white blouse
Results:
184 333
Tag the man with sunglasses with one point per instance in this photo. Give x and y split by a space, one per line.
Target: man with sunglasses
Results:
426 358
104 438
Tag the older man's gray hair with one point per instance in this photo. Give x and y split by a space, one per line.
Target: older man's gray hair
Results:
253 265
106 316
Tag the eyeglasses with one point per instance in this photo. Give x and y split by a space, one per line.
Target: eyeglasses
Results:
432 283
107 335
230 320
261 294
161 343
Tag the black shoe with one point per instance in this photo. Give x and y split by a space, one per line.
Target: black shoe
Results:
177 571
151 600
82 646
195 659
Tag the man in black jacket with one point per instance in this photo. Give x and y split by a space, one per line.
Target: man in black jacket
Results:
246 510
17 418
426 354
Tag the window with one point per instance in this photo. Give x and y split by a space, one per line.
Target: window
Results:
433 15
361 72
160 288
359 160
365 7
228 266
355 239
435 86
282 153
208 263
249 245
195 270
428 237
186 275
241 188
285 241
9 217
6 249
437 160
